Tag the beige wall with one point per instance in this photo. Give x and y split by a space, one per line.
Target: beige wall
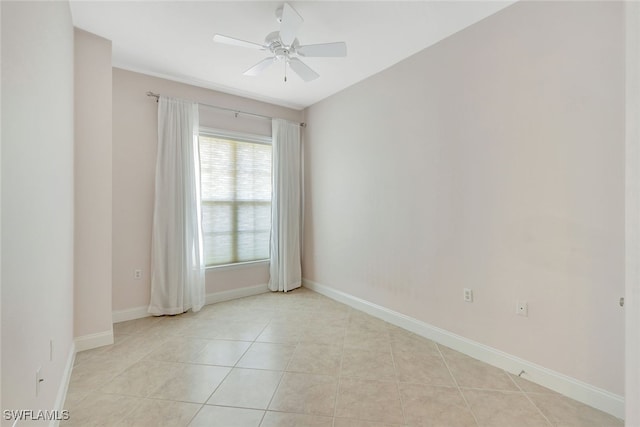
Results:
494 161
134 157
0 216
92 293
37 200
632 169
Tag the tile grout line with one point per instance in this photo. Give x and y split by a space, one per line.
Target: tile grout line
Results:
335 399
281 378
395 371
112 379
444 359
145 332
529 399
196 414
123 349
231 368
264 413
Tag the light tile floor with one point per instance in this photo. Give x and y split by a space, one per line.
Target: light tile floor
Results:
299 359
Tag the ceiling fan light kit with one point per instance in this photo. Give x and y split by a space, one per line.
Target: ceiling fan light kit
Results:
285 47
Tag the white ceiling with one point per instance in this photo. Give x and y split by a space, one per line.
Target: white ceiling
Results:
173 39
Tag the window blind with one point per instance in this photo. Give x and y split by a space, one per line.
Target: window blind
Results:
236 199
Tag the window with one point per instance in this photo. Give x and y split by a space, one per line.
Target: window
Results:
236 198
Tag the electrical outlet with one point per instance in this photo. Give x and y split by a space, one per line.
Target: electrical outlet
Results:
468 295
522 308
137 274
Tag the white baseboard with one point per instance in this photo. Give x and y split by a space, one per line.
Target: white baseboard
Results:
87 342
64 384
248 291
563 384
212 298
130 314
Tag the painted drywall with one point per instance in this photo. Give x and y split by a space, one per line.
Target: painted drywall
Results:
632 184
135 125
494 161
1 215
37 200
93 252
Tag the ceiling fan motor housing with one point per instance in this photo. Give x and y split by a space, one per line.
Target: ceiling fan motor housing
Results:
274 43
284 46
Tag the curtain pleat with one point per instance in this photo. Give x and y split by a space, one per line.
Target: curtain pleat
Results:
286 207
177 279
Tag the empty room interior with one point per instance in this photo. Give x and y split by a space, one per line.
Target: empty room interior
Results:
320 213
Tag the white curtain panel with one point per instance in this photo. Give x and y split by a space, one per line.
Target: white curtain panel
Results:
177 280
286 207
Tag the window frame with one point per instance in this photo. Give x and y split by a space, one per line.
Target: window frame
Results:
241 137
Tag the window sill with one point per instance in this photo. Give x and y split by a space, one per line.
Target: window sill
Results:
238 265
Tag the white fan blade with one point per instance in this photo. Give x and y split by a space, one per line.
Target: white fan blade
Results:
260 67
324 49
303 70
219 38
291 22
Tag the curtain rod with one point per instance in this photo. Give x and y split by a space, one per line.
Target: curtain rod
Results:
236 112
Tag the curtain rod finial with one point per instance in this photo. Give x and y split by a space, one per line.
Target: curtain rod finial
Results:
155 95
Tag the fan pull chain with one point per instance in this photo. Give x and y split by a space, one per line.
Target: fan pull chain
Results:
285 70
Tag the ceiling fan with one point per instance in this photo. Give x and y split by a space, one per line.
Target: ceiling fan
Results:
284 46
